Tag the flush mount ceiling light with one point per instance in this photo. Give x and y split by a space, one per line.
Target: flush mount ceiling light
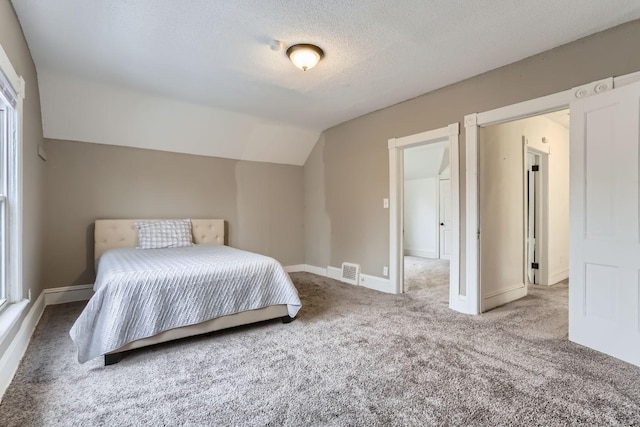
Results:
305 56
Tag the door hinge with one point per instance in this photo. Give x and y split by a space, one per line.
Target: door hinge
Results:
535 265
535 168
478 233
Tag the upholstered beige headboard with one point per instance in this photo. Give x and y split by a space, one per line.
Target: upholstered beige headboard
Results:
122 233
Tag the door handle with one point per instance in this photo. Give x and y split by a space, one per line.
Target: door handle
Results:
442 223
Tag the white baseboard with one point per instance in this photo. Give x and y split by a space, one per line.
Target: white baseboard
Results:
377 283
316 270
334 272
299 268
294 268
12 356
459 303
558 277
367 281
67 294
420 253
504 296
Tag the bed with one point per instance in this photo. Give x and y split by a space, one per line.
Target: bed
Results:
149 296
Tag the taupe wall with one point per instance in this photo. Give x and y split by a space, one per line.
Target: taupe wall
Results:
317 239
353 159
261 202
14 44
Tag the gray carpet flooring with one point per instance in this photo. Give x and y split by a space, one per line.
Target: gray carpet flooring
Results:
427 276
353 357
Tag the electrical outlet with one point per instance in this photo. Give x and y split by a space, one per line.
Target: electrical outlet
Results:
29 293
385 271
385 203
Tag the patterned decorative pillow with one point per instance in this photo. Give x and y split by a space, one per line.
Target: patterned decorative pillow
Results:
175 233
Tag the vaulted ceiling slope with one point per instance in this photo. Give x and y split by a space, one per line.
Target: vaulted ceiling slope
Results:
216 54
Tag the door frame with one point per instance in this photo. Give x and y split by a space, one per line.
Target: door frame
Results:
396 207
542 215
537 213
473 123
440 240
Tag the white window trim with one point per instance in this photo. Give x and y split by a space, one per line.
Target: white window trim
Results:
14 191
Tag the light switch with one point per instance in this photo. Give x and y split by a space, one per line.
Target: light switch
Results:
385 203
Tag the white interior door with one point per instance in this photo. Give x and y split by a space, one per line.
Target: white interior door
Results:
604 301
503 217
445 219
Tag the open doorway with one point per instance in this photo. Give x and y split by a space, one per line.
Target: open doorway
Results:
448 135
524 206
603 309
427 220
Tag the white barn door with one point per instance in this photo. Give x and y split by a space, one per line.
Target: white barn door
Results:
604 295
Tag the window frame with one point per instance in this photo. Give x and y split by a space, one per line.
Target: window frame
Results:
12 90
4 175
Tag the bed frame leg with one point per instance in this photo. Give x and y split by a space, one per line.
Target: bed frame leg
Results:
112 358
286 319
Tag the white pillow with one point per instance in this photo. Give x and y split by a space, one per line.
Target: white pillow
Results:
175 233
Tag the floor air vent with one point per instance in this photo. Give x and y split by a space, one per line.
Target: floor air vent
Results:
350 273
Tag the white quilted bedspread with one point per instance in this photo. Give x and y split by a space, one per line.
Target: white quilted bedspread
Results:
140 293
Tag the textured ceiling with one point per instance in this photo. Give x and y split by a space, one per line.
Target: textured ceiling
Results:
378 53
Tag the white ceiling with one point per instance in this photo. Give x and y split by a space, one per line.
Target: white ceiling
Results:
425 161
377 53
